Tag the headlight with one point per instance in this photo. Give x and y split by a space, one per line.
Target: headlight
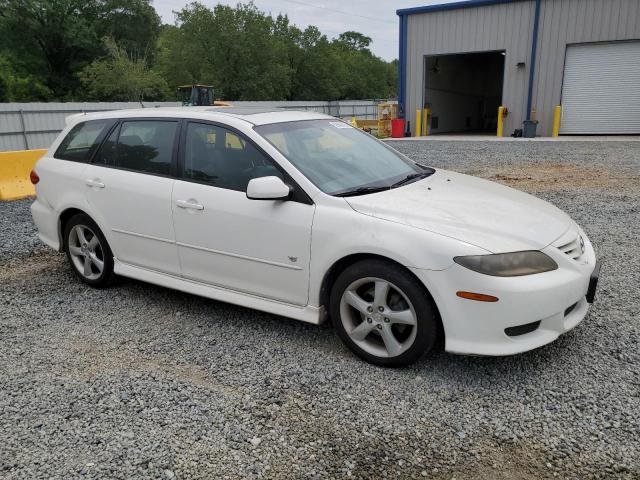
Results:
509 264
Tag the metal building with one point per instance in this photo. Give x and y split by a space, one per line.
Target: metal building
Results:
463 60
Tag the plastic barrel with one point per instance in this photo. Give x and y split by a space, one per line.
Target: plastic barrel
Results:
397 128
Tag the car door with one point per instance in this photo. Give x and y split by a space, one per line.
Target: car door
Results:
128 187
260 247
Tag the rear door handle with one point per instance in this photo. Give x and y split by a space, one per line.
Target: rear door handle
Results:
94 183
189 204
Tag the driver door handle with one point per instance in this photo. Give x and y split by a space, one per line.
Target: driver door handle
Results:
189 204
95 182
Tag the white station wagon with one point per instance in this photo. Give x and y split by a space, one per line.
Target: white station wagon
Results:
301 215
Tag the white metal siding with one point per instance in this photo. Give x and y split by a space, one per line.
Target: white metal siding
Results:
569 22
504 26
508 26
601 89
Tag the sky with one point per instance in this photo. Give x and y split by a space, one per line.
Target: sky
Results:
375 18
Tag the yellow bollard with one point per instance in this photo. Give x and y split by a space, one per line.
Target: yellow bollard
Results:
500 132
425 122
557 115
354 122
418 123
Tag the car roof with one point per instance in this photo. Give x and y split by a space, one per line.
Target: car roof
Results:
252 115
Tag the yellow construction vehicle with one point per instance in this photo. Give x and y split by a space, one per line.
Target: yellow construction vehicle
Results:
197 95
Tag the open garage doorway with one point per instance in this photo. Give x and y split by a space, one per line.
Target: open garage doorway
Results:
463 91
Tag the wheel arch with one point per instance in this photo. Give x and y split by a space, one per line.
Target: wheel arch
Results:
63 218
343 263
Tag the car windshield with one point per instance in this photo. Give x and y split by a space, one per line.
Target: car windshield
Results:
340 159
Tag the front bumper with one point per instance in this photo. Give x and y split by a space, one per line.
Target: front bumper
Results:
593 283
556 299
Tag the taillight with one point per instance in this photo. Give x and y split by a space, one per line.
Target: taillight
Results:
33 176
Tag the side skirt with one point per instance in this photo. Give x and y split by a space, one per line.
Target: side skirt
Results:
306 314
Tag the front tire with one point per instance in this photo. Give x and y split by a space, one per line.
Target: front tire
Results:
383 313
88 251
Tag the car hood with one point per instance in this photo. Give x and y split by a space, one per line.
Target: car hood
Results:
483 213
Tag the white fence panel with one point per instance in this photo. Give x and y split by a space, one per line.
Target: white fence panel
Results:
25 126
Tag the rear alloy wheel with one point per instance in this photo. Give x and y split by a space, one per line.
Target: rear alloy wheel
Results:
88 251
383 314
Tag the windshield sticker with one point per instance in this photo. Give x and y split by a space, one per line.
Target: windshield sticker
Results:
340 124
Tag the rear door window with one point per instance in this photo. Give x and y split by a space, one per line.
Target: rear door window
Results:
82 140
141 145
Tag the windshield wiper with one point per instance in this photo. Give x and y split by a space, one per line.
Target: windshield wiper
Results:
361 191
411 177
365 190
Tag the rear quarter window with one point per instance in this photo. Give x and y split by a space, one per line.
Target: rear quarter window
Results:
82 140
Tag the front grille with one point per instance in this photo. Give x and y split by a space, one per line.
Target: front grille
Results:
573 248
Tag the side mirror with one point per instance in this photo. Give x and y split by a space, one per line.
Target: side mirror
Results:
267 188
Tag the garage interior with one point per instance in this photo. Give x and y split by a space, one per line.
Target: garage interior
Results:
463 91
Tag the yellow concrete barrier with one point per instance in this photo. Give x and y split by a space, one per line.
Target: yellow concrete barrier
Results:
557 115
14 173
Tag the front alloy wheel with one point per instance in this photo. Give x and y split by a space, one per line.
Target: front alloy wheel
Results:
383 313
378 317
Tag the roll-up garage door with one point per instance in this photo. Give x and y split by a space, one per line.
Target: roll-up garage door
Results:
601 89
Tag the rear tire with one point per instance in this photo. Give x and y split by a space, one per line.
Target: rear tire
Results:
88 252
383 313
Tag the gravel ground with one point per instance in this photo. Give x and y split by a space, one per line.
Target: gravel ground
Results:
142 382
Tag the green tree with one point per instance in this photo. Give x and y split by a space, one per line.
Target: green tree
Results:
354 40
178 60
52 50
4 90
236 49
20 87
320 73
134 24
54 39
368 76
121 77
